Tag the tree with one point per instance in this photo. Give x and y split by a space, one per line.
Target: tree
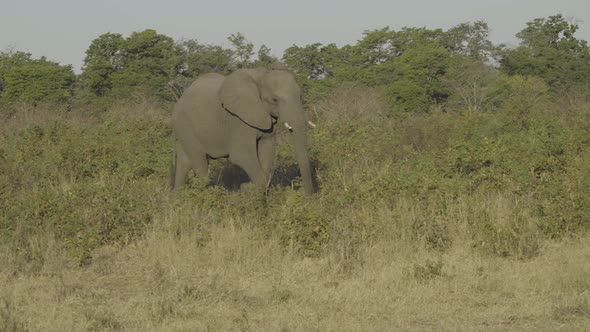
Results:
155 64
408 63
314 61
472 84
470 40
197 59
418 85
103 58
243 50
265 58
548 49
201 58
115 66
376 58
384 45
150 61
375 47
28 80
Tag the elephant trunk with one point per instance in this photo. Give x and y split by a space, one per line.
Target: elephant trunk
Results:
296 123
303 160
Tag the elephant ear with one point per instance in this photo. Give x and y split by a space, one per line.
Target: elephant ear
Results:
239 95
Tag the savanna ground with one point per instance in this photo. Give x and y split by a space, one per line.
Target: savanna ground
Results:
437 221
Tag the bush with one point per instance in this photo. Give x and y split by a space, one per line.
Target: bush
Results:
23 79
98 178
81 182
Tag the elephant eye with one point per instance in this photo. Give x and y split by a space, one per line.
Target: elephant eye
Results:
275 100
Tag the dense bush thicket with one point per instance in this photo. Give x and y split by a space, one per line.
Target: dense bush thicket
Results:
93 179
414 126
80 176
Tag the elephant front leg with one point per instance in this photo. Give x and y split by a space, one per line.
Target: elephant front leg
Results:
266 154
246 156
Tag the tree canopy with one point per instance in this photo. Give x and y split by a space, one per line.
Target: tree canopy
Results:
24 79
549 49
116 66
408 63
415 67
155 64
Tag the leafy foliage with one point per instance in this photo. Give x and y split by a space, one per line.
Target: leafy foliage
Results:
154 65
409 63
548 49
60 170
244 50
472 85
103 58
9 61
470 40
418 68
201 58
419 85
23 79
115 66
264 57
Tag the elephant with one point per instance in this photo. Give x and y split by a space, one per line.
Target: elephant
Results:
237 117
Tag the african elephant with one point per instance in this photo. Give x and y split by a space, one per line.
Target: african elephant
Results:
237 117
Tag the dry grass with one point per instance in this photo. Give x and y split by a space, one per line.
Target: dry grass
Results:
191 273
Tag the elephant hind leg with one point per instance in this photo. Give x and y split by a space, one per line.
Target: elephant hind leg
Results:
184 162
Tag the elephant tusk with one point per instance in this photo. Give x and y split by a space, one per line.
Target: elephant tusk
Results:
288 126
311 124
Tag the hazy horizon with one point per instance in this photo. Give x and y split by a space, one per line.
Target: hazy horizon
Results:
63 29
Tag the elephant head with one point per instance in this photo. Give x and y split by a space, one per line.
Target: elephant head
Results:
264 97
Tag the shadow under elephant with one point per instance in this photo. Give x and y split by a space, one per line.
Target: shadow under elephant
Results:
230 176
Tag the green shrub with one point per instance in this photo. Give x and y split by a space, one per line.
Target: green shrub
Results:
94 179
89 185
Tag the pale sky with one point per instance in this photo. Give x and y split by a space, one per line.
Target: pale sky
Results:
62 30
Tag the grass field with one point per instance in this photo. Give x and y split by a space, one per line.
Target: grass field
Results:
240 280
437 221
